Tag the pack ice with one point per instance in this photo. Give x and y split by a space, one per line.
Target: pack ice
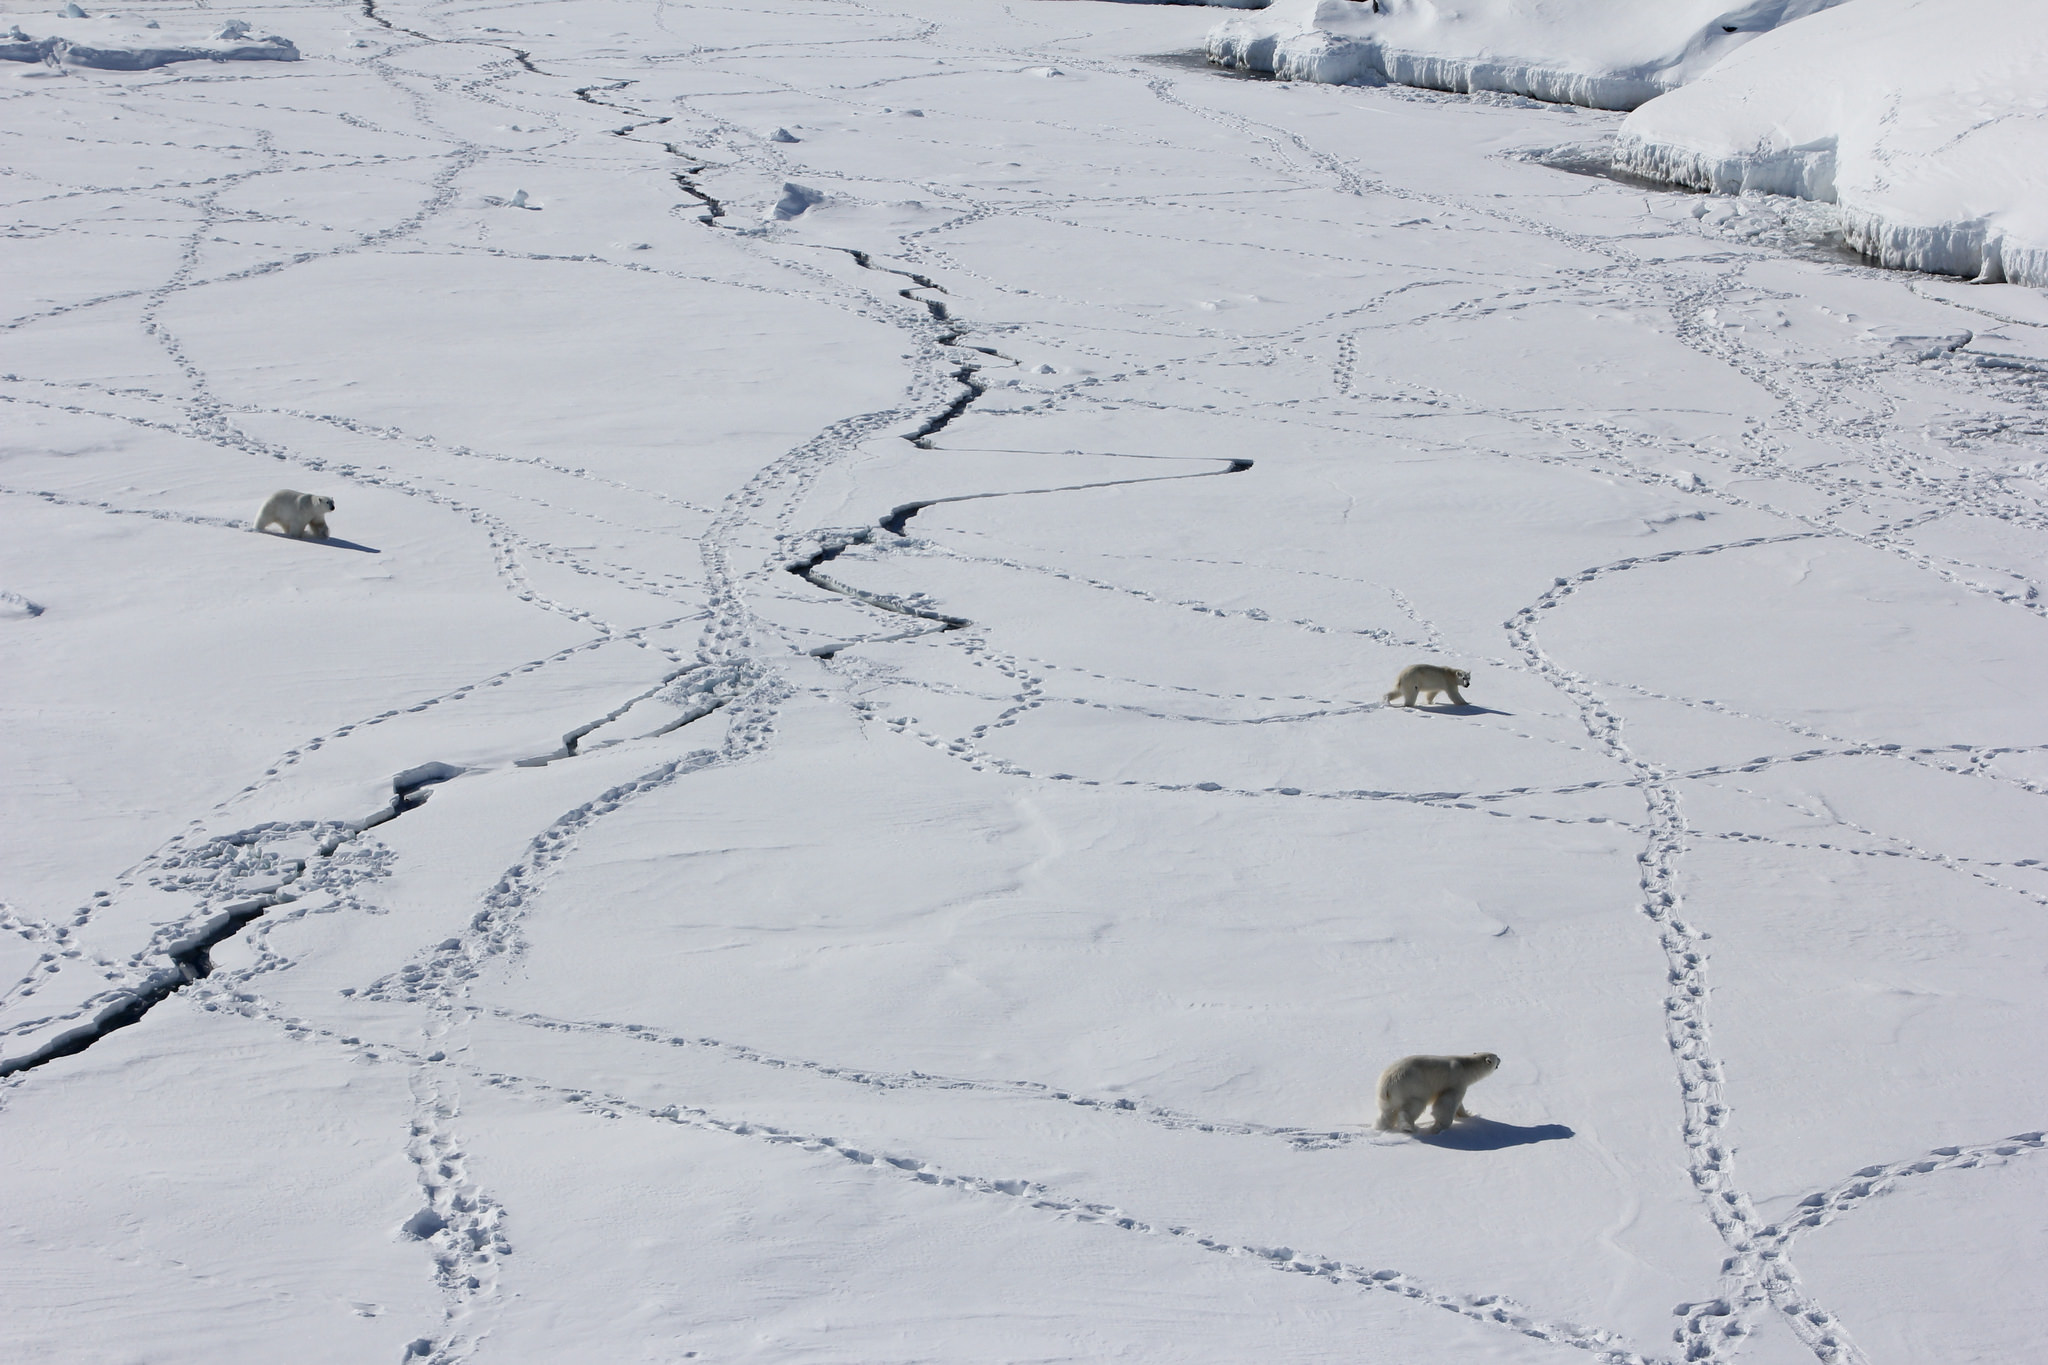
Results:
831 797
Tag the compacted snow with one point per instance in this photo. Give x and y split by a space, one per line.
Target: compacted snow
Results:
829 796
1926 120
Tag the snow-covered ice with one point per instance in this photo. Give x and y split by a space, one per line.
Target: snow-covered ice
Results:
1925 120
123 41
1930 135
1609 54
828 796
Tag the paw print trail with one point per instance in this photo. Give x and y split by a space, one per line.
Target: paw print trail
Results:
1751 1278
226 882
883 1079
442 975
222 884
1825 1206
462 1227
1492 1310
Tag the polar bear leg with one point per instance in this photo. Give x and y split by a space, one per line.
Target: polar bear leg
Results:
276 512
1399 1116
1447 1106
317 527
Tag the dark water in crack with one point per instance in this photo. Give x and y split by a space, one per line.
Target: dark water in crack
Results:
1796 227
1199 61
194 960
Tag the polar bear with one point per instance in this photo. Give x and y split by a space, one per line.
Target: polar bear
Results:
1436 1083
298 514
1429 679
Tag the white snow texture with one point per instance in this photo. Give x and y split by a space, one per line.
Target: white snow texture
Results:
828 797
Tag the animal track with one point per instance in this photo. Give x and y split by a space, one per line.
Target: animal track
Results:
1879 490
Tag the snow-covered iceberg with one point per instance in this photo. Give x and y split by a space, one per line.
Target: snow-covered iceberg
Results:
111 43
1609 54
1925 120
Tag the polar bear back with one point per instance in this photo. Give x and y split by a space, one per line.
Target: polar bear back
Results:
296 513
1426 1077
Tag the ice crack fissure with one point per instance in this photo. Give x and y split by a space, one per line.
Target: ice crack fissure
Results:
189 957
830 544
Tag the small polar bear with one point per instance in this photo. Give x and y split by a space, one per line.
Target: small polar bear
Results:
1429 680
1435 1083
297 514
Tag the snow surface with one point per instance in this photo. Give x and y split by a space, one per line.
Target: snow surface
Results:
1926 120
687 872
1607 54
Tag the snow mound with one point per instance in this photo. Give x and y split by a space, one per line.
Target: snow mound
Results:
105 43
796 200
1608 54
16 607
1926 122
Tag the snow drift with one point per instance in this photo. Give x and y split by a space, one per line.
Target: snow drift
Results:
1927 123
1609 54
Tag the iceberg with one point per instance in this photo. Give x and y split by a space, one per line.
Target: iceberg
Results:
1927 124
1607 54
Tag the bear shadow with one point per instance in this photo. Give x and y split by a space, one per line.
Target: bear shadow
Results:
1468 709
1485 1135
333 543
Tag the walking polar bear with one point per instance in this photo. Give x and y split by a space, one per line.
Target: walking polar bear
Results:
1435 1083
1429 679
296 513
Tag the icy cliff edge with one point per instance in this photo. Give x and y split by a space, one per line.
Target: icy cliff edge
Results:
1607 54
1925 120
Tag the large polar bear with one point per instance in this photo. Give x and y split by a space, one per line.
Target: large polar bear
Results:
1429 680
296 513
1435 1083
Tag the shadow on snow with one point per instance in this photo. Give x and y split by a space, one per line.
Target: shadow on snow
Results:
1485 1135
